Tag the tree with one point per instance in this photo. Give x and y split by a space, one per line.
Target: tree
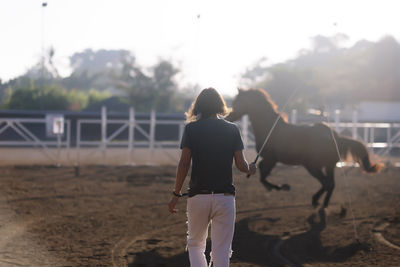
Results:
95 76
44 71
164 85
153 90
330 75
96 69
31 97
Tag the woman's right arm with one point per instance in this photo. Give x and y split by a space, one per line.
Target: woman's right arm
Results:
181 173
242 165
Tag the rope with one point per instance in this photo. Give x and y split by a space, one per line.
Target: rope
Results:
344 176
338 153
273 127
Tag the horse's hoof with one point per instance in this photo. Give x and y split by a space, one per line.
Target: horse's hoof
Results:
285 187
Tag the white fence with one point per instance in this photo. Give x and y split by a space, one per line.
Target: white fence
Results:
388 138
29 138
131 125
381 137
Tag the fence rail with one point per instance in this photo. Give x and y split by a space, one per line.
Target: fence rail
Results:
21 129
131 125
381 137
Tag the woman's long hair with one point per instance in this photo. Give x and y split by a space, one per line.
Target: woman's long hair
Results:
208 103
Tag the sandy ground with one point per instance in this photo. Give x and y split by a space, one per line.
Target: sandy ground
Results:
117 216
92 156
88 156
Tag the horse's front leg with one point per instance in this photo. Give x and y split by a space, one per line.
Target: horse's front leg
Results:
266 166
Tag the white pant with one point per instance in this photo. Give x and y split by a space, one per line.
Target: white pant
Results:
219 209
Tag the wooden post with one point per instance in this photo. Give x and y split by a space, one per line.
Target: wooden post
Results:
58 149
68 141
366 134
104 133
389 137
78 147
372 137
152 131
131 133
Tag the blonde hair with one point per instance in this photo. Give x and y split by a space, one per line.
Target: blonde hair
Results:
208 103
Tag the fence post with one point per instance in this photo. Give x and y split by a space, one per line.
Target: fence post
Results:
389 137
152 130
293 117
372 137
68 141
355 121
78 143
59 149
131 133
245 130
366 134
337 119
104 132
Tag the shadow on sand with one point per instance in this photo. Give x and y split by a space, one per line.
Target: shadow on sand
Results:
153 259
252 248
307 247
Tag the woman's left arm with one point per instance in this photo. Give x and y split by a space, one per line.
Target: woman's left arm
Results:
181 173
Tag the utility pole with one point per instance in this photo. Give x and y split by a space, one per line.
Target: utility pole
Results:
42 61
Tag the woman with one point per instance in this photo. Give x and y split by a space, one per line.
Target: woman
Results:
211 144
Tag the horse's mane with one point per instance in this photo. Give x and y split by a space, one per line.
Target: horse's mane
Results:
261 94
264 95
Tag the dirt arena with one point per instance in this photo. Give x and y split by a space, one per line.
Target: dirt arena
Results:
117 216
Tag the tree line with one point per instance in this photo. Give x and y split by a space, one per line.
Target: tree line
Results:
331 75
326 74
95 76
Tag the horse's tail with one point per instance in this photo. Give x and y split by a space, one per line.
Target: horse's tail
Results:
359 153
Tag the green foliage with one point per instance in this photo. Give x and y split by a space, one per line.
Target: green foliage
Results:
94 96
146 91
96 69
30 96
77 99
35 98
96 75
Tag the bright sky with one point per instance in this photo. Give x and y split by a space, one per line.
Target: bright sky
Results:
213 41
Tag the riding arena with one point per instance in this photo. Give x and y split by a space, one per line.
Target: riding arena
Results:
92 189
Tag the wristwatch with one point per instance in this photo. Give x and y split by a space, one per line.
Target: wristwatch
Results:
175 194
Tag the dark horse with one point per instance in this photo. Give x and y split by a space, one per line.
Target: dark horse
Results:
310 146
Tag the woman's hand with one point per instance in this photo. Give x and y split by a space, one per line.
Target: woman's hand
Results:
252 169
172 204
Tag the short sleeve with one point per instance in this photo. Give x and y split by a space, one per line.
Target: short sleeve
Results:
237 140
185 142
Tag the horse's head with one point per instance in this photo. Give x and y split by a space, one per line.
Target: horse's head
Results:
239 106
254 102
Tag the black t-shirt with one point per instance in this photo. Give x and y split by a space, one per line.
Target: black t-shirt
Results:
212 143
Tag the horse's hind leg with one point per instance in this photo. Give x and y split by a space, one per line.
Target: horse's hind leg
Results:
329 184
317 173
266 166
